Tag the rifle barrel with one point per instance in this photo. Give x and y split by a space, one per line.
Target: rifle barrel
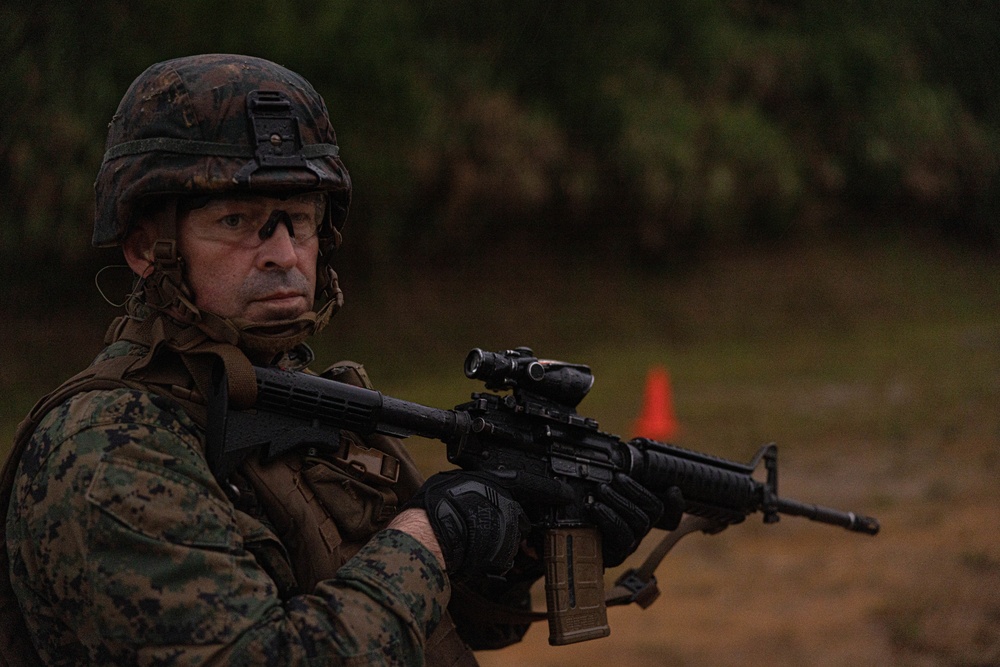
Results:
857 523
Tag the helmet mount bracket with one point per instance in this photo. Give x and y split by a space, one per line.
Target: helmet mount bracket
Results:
274 135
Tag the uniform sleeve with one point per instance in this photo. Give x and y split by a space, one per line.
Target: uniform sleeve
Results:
125 551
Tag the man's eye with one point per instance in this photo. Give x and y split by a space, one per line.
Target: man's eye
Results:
231 221
305 225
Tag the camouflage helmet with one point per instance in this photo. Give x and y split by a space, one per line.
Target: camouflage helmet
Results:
218 124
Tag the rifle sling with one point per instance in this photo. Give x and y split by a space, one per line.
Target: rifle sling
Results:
638 585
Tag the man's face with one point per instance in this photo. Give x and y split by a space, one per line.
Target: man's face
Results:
254 257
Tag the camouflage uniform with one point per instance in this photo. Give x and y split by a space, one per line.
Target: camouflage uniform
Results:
124 550
122 546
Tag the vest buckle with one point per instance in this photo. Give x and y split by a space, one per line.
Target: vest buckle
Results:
369 464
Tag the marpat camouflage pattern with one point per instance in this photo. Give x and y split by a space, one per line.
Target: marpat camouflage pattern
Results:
125 550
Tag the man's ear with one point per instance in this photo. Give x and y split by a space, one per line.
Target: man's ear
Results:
138 246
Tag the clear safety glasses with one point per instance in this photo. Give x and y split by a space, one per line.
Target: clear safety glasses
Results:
247 222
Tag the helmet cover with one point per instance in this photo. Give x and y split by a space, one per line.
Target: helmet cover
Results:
217 124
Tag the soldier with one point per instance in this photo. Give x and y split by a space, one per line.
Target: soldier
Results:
222 182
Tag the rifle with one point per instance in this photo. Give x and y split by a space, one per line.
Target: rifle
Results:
533 430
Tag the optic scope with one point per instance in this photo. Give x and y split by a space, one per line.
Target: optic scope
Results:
519 370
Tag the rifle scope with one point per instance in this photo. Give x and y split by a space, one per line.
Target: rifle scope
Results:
518 369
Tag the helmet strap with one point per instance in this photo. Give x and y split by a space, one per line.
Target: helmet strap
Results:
164 287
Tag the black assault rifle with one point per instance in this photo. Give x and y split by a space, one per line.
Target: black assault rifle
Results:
534 430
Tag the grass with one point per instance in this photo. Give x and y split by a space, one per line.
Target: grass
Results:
875 366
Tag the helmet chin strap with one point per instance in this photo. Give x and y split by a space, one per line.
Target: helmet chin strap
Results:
167 292
165 289
265 340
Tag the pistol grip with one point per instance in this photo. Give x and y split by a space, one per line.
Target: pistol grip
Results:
574 585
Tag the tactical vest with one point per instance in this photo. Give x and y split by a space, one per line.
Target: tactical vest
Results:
322 511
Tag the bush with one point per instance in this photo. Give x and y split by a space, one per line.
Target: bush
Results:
603 128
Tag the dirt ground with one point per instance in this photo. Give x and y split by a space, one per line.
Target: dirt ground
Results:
877 370
882 374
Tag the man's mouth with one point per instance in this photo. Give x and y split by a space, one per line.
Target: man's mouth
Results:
281 296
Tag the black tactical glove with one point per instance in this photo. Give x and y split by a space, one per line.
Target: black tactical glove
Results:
477 523
624 511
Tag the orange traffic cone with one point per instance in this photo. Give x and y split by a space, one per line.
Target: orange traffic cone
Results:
657 421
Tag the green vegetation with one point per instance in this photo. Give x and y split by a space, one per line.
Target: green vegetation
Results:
629 129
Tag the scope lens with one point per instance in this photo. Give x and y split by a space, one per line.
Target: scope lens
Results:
473 363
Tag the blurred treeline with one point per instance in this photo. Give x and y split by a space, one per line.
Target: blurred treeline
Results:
631 128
